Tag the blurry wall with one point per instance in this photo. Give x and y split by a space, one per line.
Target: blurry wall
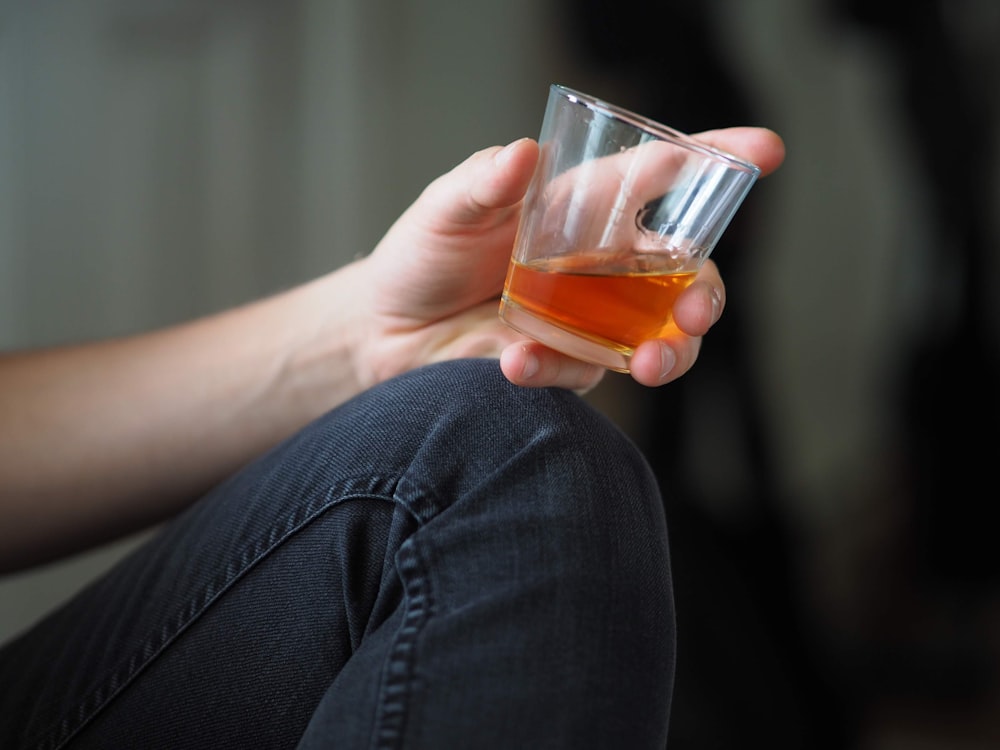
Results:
165 157
161 159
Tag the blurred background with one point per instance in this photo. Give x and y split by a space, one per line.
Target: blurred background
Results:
827 466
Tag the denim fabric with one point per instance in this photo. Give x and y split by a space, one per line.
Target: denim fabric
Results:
446 561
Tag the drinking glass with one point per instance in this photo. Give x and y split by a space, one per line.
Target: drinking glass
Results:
620 215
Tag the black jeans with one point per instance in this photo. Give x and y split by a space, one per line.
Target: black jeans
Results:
446 561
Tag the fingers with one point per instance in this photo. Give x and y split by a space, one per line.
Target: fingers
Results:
660 361
695 312
498 178
505 180
700 306
529 363
759 146
655 363
490 179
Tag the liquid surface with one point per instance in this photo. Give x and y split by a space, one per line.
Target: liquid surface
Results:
619 300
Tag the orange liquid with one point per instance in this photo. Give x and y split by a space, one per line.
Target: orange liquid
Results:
620 301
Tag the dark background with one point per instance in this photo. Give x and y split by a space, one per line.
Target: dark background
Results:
908 658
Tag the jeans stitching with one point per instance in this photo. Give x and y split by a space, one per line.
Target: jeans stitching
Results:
398 675
93 702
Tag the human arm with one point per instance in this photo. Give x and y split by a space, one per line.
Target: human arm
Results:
100 439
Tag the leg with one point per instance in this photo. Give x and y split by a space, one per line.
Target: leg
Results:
446 561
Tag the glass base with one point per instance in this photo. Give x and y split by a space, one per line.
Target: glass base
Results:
563 340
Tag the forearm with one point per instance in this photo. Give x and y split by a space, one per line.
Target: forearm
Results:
101 439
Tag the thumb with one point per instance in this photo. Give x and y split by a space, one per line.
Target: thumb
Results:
477 191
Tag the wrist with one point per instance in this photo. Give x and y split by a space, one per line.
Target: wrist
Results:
328 328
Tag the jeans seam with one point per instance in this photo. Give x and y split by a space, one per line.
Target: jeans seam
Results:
398 677
154 645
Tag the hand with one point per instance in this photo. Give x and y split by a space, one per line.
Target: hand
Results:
436 276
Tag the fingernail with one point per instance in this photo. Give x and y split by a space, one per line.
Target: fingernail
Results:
716 305
504 154
667 360
531 364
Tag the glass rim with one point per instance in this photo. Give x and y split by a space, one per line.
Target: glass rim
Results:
657 128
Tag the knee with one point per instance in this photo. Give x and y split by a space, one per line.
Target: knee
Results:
456 430
468 410
505 478
546 447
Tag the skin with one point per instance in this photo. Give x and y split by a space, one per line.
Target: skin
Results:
104 438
